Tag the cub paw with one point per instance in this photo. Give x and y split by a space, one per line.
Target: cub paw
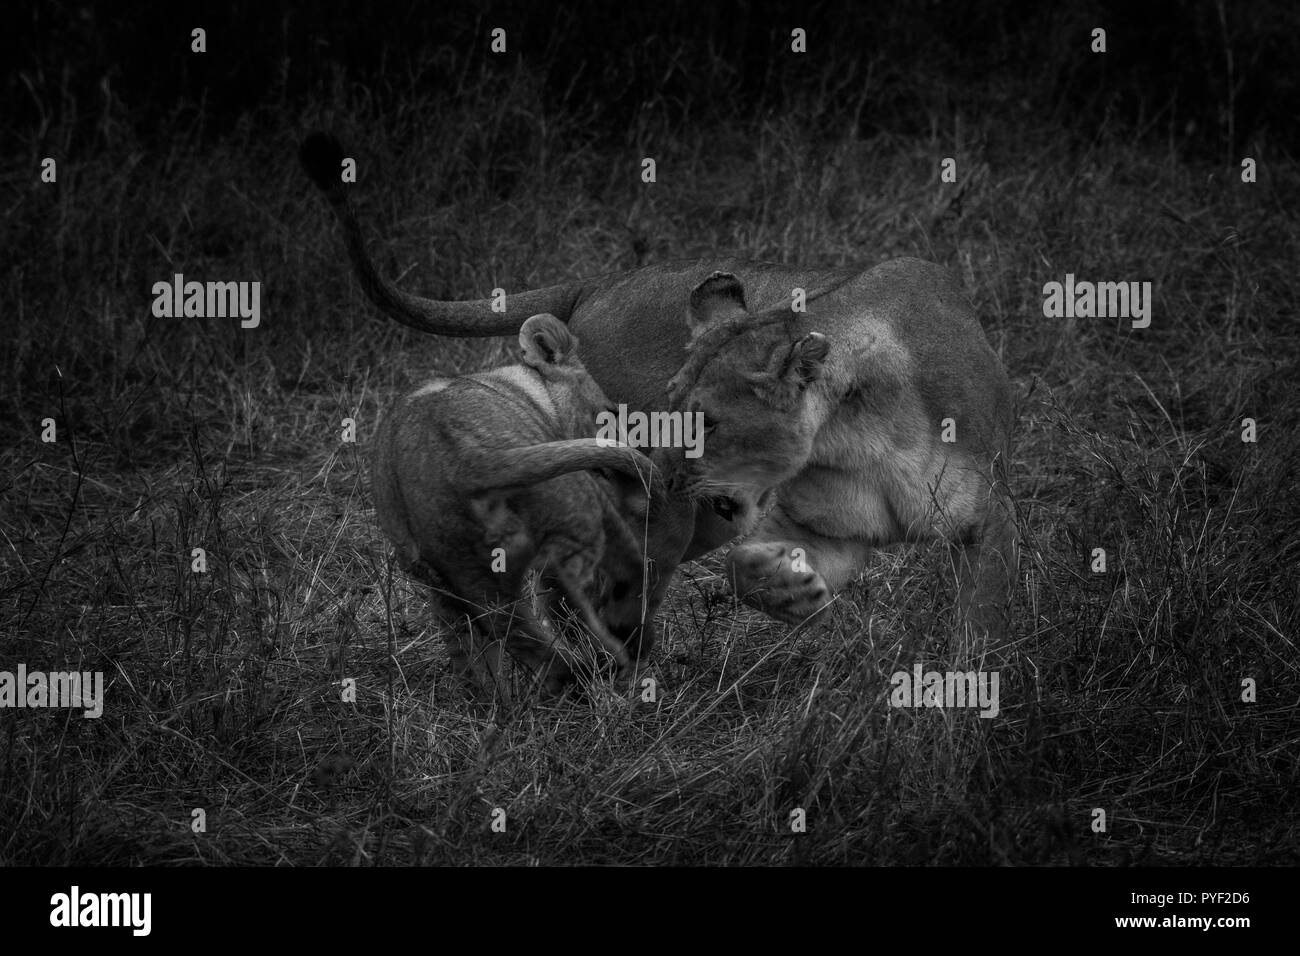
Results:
764 577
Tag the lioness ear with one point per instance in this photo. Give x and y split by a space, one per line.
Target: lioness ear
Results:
546 340
718 295
807 360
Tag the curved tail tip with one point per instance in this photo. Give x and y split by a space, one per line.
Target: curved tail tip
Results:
321 156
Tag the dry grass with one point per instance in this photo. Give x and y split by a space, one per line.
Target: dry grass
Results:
1121 691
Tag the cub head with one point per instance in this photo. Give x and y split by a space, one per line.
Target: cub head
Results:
749 376
551 350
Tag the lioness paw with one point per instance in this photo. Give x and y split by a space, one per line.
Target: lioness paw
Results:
764 576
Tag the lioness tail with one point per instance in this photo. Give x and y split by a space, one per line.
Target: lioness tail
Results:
322 157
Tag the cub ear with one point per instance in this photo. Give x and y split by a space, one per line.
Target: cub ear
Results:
546 340
806 361
718 295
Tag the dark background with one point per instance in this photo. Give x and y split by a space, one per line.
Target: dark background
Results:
1213 77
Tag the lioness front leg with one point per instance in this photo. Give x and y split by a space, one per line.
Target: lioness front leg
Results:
790 572
986 564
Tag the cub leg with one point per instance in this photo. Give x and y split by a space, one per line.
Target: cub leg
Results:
475 661
507 619
572 578
478 661
454 617
528 641
578 600
630 611
569 611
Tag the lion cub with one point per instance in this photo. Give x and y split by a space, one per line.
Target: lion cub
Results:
480 478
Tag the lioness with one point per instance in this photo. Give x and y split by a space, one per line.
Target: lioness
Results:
878 414
480 478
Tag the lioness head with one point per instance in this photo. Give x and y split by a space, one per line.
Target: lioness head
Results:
749 375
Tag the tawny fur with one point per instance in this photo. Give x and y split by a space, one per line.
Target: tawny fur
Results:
837 411
480 479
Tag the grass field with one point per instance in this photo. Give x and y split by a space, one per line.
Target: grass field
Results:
1122 690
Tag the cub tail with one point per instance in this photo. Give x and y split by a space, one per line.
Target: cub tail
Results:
530 464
